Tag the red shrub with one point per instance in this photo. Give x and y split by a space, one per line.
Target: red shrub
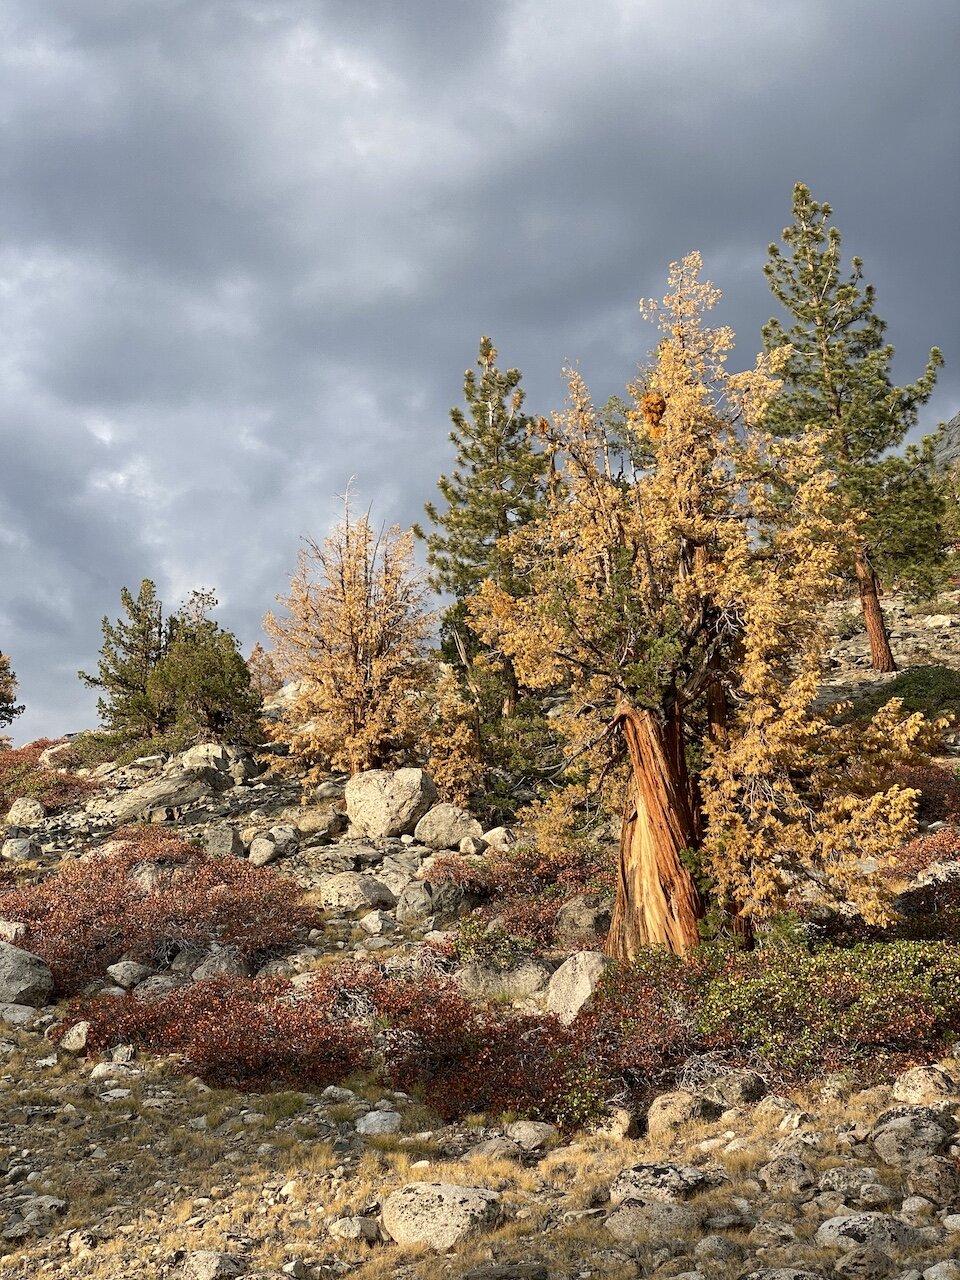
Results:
925 850
525 890
22 775
149 899
234 1032
939 791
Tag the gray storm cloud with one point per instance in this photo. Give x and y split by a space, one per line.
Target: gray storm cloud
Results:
248 248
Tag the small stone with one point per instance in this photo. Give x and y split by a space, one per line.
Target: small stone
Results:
532 1135
75 1039
671 1111
364 1229
208 1264
572 986
379 1123
128 974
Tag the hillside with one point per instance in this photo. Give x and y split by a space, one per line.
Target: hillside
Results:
312 1030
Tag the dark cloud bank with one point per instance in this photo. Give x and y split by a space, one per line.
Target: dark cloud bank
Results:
248 249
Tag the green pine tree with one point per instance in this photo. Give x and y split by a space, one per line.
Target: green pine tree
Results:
9 708
496 486
181 678
132 648
202 683
838 381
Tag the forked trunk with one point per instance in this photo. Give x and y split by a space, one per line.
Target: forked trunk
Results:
880 652
657 901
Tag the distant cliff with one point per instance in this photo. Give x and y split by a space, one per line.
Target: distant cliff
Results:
948 446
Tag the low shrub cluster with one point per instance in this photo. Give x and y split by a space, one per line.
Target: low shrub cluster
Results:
864 1010
925 850
244 1033
939 791
525 889
148 898
934 690
21 774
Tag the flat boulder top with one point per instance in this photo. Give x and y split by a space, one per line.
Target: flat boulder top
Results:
381 803
439 1213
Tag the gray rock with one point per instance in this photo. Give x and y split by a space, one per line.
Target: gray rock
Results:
24 978
220 962
787 1174
660 1184
366 1230
377 1123
571 988
924 1084
439 1214
352 891
585 916
223 841
380 803
494 1149
445 825
208 1264
532 1135
377 922
652 1223
784 1273
949 1269
25 812
12 931
672 1111
74 1040
848 1182
163 798
509 1271
904 1135
736 1088
263 851
519 983
422 899
20 849
128 974
17 1015
870 1230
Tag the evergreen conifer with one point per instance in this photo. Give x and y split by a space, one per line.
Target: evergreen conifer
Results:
838 381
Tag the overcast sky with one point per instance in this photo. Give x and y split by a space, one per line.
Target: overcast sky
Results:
249 247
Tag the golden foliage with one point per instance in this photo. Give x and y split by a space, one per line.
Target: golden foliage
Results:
355 636
694 589
264 676
454 763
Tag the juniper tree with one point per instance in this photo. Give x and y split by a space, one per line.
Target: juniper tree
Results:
687 599
838 381
9 708
497 485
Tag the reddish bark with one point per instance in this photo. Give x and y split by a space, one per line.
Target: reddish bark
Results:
657 901
880 651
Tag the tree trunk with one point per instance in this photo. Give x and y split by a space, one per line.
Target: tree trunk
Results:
509 708
880 651
657 901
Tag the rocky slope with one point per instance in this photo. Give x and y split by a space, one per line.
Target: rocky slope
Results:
121 1168
948 447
